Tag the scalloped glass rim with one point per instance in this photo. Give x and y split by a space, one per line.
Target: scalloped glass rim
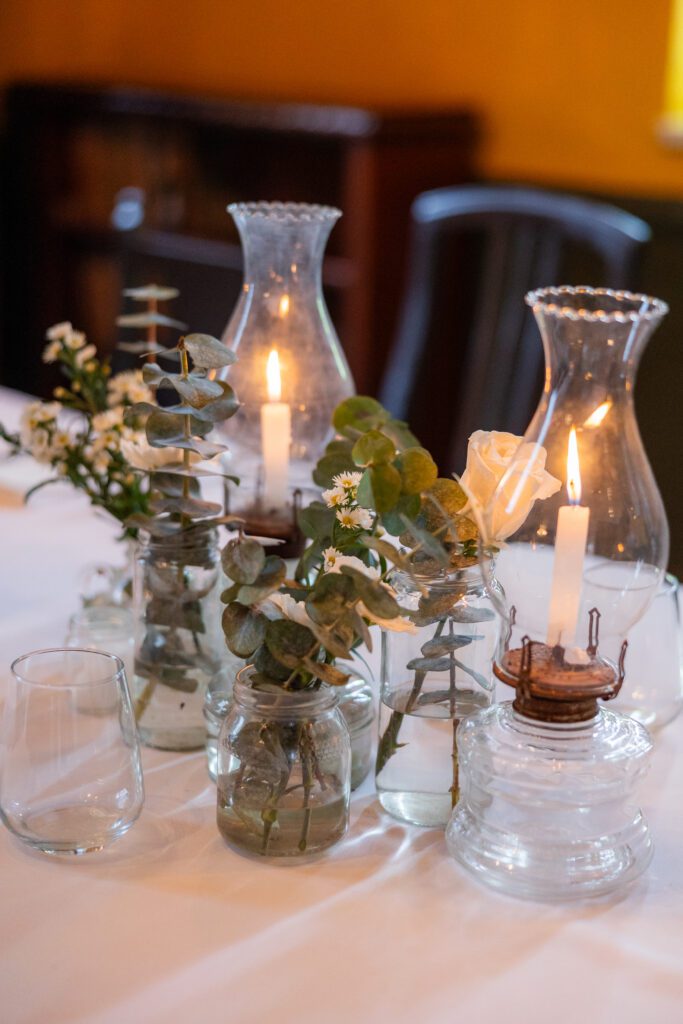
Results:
286 213
648 308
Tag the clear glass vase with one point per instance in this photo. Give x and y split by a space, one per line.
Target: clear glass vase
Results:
179 646
284 771
429 681
356 703
291 371
547 809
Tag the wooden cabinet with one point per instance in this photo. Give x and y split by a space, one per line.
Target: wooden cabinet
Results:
106 187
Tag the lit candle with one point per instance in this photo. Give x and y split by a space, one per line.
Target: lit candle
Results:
570 551
276 421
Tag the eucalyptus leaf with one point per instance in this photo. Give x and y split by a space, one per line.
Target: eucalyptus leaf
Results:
337 641
152 293
196 391
372 449
171 485
442 504
230 593
486 684
148 319
373 594
331 465
328 673
358 414
186 506
265 663
445 644
379 488
316 520
430 664
418 470
466 613
329 599
289 642
269 579
243 559
407 508
167 429
244 630
207 352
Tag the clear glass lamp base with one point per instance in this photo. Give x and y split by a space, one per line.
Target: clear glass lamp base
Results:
546 810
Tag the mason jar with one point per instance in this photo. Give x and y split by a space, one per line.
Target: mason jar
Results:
179 645
284 770
430 680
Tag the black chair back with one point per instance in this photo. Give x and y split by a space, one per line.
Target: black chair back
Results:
468 354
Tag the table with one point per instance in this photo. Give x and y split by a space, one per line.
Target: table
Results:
169 925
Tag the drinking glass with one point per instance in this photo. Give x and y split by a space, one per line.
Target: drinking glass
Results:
70 782
652 692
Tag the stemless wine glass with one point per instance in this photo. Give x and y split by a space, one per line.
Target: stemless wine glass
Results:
70 782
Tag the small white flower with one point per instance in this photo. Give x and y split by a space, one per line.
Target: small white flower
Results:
103 421
334 497
355 518
127 387
101 462
51 351
330 555
85 354
75 340
58 332
347 479
60 440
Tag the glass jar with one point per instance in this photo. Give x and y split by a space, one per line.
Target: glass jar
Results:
430 680
547 809
356 704
216 706
179 645
284 771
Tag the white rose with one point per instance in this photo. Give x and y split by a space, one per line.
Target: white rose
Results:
490 454
279 605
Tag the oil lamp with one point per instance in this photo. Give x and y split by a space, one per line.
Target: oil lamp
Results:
547 779
290 371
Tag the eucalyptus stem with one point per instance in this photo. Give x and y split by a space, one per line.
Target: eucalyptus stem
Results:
455 787
307 778
185 519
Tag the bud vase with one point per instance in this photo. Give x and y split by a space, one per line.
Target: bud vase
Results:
429 681
284 771
179 645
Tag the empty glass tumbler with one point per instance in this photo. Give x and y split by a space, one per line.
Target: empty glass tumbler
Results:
109 629
70 780
652 692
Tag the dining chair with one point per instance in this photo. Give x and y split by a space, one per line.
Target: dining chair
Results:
467 353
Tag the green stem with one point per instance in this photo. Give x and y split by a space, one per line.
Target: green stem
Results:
307 777
455 787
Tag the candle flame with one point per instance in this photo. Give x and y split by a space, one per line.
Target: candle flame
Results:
273 381
573 471
598 415
284 306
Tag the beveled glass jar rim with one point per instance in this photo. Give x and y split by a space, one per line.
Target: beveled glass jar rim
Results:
566 301
285 213
285 703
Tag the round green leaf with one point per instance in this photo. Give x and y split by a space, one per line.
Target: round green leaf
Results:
358 414
243 559
373 448
418 470
289 642
244 630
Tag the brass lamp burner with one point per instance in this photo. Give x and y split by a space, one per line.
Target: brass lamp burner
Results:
552 689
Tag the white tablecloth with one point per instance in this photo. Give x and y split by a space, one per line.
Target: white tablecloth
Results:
169 925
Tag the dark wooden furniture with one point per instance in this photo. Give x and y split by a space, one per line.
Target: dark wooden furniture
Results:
106 186
468 353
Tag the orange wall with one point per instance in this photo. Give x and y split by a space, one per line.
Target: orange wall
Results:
570 91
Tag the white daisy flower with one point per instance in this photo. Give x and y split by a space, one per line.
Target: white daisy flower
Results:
347 479
51 351
334 497
355 518
330 555
85 354
103 421
127 387
75 340
58 332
